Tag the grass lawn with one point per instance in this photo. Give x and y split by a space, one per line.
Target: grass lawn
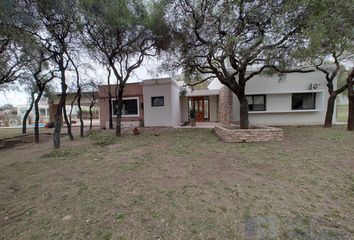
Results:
182 184
14 132
342 113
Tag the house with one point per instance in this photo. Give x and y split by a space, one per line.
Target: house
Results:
43 108
287 99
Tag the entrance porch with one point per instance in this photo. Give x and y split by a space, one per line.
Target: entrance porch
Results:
204 102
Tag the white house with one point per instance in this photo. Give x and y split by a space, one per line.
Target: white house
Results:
289 99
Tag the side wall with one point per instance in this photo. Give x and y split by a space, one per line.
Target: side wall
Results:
157 116
176 105
278 93
131 90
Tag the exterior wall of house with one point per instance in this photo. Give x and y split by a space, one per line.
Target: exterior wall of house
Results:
131 90
278 91
167 115
176 107
213 104
184 109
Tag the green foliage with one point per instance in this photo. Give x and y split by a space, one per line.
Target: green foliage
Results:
6 106
192 113
329 31
101 139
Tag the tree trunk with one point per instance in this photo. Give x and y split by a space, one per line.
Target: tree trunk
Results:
68 124
59 113
244 123
330 109
91 105
36 109
119 99
350 84
110 119
350 126
24 121
80 112
71 108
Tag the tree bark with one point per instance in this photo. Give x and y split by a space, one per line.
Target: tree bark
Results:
36 109
244 122
119 99
330 109
71 108
91 105
24 121
350 84
68 124
59 113
350 126
110 100
80 112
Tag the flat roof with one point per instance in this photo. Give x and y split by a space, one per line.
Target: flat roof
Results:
205 92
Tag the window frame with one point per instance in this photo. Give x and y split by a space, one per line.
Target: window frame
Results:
129 115
163 104
257 95
301 109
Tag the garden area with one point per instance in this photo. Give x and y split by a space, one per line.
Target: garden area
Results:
180 184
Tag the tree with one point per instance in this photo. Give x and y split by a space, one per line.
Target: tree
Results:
223 38
42 78
350 84
329 39
110 118
13 42
33 91
55 26
91 93
122 34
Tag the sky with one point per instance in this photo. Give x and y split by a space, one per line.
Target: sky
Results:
148 70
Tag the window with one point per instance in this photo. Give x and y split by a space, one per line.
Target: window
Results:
42 111
130 107
256 102
303 101
158 101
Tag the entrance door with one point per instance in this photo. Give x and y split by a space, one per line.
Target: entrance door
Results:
201 106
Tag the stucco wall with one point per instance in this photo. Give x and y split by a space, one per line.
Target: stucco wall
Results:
157 116
278 99
175 103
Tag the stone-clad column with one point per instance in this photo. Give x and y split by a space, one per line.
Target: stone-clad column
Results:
225 106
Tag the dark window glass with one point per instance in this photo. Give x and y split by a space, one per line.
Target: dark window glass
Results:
256 102
158 101
303 101
130 107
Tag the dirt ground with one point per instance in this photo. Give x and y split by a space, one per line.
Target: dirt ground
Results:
180 184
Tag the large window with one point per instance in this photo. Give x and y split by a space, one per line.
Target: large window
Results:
157 101
130 107
303 101
256 102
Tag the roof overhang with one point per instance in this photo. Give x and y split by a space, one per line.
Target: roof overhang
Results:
197 93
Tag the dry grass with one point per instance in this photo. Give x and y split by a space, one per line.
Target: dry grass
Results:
342 113
14 132
183 184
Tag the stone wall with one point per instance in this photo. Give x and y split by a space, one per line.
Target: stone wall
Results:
225 106
254 134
